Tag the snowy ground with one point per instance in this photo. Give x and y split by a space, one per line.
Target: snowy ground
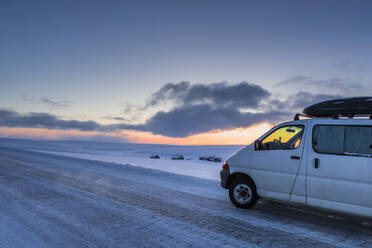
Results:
48 200
135 154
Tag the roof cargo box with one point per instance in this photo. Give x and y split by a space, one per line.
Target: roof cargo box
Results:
347 107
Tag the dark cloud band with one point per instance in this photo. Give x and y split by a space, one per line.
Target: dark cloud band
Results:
197 108
241 95
10 118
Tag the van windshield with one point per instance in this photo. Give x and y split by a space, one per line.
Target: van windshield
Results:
284 138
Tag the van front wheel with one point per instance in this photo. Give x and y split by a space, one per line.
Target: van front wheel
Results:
243 193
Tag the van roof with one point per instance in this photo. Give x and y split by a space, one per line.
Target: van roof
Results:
341 121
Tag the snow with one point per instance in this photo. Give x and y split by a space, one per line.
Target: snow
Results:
49 200
136 154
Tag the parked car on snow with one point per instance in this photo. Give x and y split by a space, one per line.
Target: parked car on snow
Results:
154 156
177 157
211 158
217 159
202 158
323 162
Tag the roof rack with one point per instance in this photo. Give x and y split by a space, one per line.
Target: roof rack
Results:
297 116
334 116
351 116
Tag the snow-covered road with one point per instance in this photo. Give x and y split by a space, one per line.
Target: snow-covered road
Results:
48 200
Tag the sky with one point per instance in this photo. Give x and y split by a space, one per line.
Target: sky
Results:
178 72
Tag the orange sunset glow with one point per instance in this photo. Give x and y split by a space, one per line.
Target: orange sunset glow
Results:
236 136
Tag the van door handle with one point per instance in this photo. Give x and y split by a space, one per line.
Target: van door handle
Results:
295 157
316 163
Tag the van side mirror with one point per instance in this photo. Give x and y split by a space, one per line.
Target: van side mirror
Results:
258 145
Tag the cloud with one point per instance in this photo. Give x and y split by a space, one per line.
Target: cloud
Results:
301 82
241 95
10 118
298 101
114 118
204 107
340 65
52 134
51 103
55 103
101 138
170 91
303 99
193 119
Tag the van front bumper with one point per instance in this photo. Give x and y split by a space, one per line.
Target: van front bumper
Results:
224 175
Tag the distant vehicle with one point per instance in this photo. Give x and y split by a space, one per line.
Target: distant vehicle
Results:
202 158
154 156
323 162
217 159
211 158
178 157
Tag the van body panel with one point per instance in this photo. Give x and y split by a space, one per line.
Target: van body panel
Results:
240 161
275 171
341 207
341 182
244 170
272 194
340 179
298 194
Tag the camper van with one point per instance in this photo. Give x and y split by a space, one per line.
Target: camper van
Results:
324 160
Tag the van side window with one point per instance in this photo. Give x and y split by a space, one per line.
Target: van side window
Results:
343 140
329 139
358 140
283 138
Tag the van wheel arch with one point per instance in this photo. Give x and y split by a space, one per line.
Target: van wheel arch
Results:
239 175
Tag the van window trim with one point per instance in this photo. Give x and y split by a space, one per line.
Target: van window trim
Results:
287 125
339 154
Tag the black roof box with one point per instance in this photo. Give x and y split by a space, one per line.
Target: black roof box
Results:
348 107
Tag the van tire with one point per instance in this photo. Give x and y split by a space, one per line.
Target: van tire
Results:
243 193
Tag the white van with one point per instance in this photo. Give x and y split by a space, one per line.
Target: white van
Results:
320 162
